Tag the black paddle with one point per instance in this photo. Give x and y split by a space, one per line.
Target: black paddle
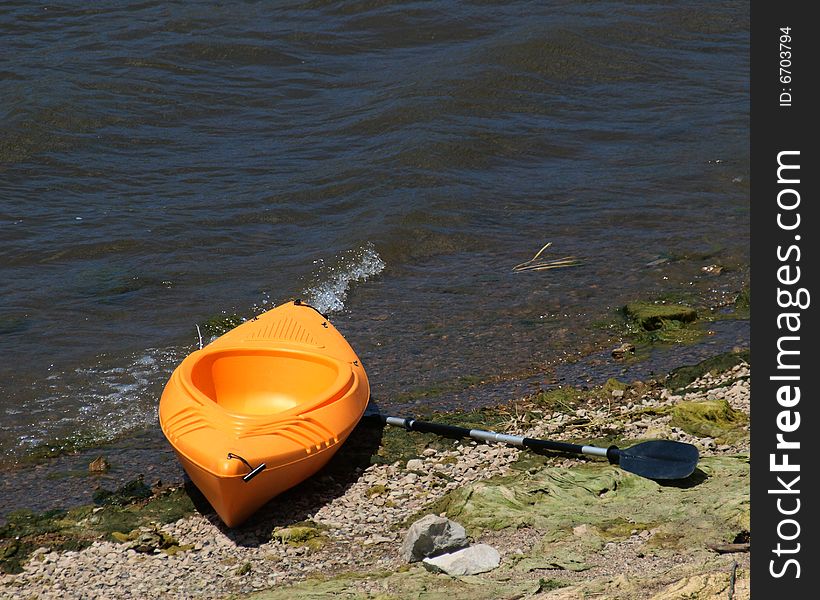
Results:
657 459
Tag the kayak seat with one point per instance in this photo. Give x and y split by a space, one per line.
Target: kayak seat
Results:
272 382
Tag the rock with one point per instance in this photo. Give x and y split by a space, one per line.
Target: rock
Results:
623 350
377 539
415 464
432 535
148 541
468 561
99 465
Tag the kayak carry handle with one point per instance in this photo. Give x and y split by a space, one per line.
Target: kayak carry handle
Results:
254 471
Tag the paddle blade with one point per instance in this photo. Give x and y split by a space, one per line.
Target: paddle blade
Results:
660 459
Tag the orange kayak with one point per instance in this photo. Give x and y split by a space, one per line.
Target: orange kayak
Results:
263 407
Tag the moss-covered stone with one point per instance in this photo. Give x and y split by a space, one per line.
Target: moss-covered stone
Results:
649 323
710 418
148 539
295 534
651 316
306 533
612 385
376 490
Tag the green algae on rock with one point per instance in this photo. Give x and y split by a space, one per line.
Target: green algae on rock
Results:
710 507
25 531
78 527
710 418
651 322
708 579
414 582
59 446
376 490
306 533
148 539
651 316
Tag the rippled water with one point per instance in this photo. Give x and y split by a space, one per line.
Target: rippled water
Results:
163 163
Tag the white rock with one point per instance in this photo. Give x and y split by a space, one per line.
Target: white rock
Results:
415 464
468 561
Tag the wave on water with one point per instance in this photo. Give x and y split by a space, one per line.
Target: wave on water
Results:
87 406
332 280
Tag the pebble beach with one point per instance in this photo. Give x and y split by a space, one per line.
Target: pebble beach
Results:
359 529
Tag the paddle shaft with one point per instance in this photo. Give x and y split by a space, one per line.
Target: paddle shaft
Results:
612 453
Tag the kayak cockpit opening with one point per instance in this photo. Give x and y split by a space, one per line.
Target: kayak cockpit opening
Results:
254 381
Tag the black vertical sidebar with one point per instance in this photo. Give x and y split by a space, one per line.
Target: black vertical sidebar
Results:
784 465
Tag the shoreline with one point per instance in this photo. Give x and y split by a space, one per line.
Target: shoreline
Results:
146 452
339 528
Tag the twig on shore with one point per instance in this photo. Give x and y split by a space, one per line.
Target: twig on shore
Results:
732 579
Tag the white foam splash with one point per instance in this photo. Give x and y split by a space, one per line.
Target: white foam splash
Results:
89 405
332 281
